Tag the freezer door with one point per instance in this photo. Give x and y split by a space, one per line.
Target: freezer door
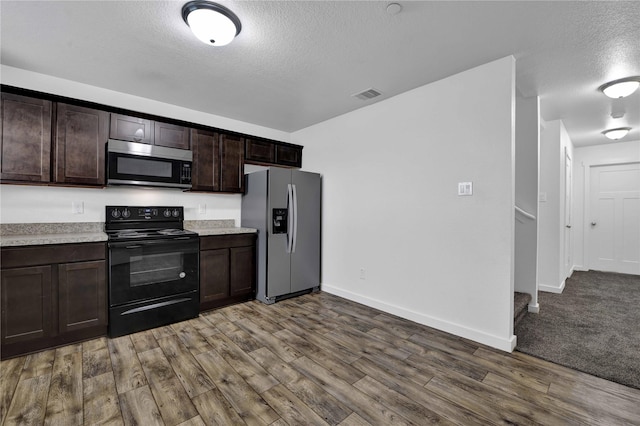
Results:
278 260
305 257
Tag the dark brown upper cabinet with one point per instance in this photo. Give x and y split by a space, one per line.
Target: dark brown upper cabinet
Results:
287 155
81 134
260 151
265 152
133 129
25 139
218 161
206 160
231 163
171 135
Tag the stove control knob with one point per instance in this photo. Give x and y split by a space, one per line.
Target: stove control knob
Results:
115 213
176 212
126 213
166 213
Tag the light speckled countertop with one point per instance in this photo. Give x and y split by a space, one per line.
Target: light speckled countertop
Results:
216 227
30 234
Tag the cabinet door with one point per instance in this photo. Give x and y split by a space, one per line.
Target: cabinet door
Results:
170 135
26 304
206 160
134 129
243 270
81 134
260 151
231 163
25 139
214 275
82 301
289 155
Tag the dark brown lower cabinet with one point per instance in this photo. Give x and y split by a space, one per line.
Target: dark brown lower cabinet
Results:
52 295
82 295
26 304
227 269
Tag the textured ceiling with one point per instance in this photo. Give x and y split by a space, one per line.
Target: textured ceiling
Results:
297 63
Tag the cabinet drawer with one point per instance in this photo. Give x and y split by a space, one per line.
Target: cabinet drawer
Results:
226 241
16 257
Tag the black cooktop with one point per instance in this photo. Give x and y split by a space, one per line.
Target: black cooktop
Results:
147 234
128 223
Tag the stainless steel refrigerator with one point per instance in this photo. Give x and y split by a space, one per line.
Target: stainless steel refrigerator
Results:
284 206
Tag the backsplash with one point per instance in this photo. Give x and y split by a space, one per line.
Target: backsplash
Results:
39 204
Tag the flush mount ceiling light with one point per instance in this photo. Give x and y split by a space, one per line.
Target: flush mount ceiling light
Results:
211 23
615 134
620 88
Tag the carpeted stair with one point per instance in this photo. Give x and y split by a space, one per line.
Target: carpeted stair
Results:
520 306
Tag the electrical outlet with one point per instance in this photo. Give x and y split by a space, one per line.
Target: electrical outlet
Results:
465 188
362 274
202 208
77 207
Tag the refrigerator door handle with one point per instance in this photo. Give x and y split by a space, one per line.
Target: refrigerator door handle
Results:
290 224
295 218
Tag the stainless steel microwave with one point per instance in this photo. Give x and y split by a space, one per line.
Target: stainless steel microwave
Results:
132 163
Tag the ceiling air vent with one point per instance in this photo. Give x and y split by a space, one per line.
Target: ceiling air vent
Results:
367 94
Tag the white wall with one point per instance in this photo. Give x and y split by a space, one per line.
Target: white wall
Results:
526 196
22 204
551 213
390 204
584 158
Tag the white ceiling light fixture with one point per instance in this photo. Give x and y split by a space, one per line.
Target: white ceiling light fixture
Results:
211 23
618 133
620 88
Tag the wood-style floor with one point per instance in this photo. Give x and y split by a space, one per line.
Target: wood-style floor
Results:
316 359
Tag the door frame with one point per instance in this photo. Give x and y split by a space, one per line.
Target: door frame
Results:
586 203
566 265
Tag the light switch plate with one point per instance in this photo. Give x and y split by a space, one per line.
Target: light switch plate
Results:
465 188
542 197
202 208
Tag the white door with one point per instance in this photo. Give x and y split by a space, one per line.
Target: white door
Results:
614 222
568 203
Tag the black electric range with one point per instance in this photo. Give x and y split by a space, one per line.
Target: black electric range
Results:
153 268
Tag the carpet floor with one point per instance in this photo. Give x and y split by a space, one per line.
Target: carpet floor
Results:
593 326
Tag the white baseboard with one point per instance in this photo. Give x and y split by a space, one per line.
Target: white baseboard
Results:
580 268
534 307
551 288
507 345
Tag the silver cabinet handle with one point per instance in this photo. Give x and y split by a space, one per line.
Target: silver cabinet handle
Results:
593 224
568 226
